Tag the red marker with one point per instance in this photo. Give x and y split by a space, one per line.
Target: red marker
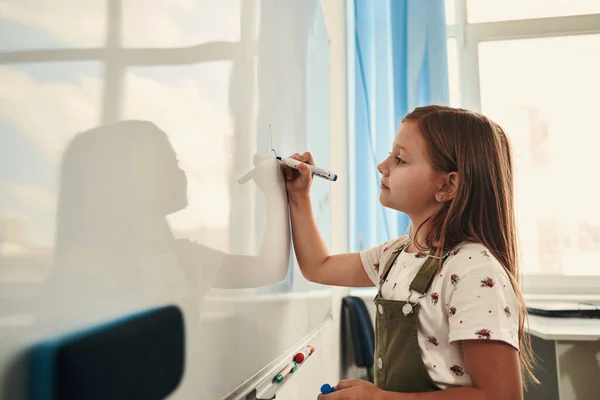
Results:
303 354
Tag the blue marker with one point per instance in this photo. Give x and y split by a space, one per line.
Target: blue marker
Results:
327 388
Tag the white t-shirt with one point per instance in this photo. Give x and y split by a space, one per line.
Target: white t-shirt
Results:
470 298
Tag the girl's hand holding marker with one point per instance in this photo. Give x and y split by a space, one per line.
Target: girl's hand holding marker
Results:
321 173
298 171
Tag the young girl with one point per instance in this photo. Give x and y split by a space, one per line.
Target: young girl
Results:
449 312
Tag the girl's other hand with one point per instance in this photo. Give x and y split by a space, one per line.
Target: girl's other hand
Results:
353 389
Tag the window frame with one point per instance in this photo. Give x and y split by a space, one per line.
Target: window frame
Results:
468 36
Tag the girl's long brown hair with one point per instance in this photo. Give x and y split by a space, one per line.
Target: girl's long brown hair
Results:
482 211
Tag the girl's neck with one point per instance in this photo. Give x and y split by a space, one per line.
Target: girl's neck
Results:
417 237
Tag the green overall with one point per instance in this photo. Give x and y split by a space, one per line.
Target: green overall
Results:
399 364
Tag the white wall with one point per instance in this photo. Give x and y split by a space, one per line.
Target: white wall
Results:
325 367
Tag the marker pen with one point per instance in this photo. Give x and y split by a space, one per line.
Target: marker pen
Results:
286 371
327 388
290 162
303 354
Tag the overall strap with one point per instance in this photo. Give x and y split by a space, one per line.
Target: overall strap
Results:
424 277
390 263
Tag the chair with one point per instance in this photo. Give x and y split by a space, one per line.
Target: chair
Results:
136 357
357 329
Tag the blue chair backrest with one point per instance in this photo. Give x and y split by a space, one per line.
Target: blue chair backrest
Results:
356 316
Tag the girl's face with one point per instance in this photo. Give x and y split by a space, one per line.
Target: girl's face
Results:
409 182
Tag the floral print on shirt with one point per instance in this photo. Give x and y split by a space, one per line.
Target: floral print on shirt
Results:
487 282
484 334
454 279
457 370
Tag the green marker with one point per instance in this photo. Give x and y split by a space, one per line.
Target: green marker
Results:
286 371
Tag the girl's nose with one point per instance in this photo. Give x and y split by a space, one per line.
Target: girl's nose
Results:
381 169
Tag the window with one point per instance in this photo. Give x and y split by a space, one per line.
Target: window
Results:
43 106
532 67
75 75
552 125
40 24
181 23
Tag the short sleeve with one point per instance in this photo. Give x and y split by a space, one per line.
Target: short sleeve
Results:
374 259
480 300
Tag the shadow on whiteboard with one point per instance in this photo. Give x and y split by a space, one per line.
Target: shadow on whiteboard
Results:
114 249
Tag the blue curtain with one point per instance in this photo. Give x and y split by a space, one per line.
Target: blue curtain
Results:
401 63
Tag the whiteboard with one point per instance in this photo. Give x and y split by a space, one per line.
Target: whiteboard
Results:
124 126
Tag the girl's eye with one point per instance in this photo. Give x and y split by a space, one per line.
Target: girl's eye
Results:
399 160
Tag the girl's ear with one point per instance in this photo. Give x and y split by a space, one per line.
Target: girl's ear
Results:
448 189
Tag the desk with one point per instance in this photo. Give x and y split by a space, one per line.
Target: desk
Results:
577 329
569 358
